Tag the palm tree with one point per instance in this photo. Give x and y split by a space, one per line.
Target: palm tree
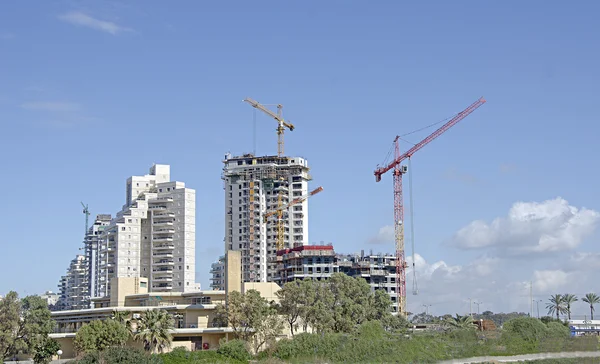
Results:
591 299
556 305
460 322
124 318
154 330
569 299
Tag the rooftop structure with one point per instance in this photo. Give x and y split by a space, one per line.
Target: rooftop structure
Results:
309 261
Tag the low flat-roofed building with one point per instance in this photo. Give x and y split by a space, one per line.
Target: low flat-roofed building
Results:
193 312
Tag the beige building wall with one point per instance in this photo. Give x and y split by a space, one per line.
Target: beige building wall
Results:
266 289
233 271
125 286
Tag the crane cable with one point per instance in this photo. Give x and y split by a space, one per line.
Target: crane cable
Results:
412 228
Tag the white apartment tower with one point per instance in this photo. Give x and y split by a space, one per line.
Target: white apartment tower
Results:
153 236
74 293
92 243
252 187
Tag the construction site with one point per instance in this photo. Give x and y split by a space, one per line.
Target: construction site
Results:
266 216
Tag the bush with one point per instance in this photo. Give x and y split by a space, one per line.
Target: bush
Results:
557 330
235 349
118 355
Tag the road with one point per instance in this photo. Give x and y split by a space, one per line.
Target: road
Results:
517 358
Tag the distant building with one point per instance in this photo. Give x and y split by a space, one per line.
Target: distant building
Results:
253 186
308 261
92 242
51 298
153 236
217 272
73 286
378 270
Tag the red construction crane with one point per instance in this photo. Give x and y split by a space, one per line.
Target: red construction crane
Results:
398 200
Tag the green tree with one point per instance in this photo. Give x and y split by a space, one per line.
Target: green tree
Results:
460 322
292 302
125 318
24 324
99 335
153 330
350 301
252 318
591 299
568 300
379 306
320 300
556 305
44 351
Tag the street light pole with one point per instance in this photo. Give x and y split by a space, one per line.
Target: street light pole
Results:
477 303
537 303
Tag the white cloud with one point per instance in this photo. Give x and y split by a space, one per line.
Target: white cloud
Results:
531 227
500 285
551 280
384 236
50 106
82 19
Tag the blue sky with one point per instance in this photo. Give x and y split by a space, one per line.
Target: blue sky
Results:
94 92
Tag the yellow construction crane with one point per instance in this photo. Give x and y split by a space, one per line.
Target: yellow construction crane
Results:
282 124
279 211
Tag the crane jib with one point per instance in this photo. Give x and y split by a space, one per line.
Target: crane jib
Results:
461 115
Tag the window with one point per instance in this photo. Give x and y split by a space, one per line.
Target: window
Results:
160 190
187 267
180 259
143 284
129 220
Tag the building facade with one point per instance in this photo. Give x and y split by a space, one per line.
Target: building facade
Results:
217 274
378 270
92 243
254 186
73 287
309 261
153 236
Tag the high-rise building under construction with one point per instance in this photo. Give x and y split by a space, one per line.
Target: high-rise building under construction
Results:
253 187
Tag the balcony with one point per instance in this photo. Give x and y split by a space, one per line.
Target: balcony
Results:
163 246
157 208
162 238
164 262
164 214
164 230
166 270
163 279
161 224
161 199
162 286
163 254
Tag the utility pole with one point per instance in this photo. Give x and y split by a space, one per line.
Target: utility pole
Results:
531 296
471 307
537 302
426 309
478 303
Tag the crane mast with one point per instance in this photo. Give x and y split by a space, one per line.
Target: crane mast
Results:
279 213
398 171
